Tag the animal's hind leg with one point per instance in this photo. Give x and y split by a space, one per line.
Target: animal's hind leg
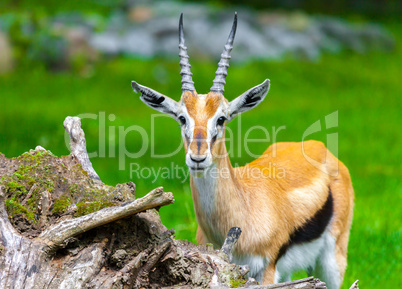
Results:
341 249
327 267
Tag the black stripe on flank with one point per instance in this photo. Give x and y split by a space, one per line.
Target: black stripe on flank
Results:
313 228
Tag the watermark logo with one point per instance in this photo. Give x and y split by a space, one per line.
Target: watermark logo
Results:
116 141
330 122
181 174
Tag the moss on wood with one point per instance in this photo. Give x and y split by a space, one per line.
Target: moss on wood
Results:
61 205
85 208
28 176
237 283
14 207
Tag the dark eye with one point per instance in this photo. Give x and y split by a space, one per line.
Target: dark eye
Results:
221 121
182 120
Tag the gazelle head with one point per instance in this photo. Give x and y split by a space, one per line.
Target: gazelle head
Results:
203 116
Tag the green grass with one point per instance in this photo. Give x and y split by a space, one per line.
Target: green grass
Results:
365 89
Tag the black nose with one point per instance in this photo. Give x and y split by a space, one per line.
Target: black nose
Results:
198 159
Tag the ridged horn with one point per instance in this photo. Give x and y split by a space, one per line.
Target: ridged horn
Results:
187 83
222 71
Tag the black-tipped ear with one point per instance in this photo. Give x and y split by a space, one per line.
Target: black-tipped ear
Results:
155 99
248 100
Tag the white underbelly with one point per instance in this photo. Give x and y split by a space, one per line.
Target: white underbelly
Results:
297 257
301 257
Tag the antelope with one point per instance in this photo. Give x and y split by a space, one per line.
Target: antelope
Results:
297 222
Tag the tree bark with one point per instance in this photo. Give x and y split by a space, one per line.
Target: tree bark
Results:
57 234
33 263
306 283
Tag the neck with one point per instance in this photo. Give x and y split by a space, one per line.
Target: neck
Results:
215 195
208 184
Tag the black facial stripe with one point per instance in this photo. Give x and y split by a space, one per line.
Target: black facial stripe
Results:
312 228
213 140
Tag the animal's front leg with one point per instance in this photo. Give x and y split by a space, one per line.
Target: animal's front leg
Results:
201 239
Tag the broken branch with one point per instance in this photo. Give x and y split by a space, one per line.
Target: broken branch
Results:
78 144
231 239
306 283
8 232
355 285
58 233
152 260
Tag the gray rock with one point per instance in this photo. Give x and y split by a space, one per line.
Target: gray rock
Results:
107 42
277 36
138 42
260 34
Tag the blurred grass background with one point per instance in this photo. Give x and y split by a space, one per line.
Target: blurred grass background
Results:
366 89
